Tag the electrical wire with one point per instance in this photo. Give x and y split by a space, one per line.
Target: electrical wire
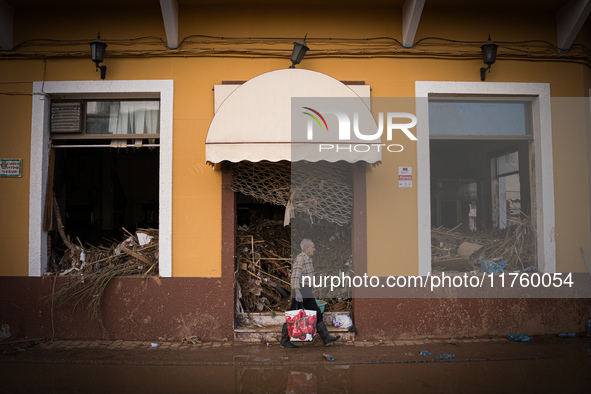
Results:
200 45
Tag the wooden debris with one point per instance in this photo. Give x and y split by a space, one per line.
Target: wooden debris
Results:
265 250
100 264
466 249
514 245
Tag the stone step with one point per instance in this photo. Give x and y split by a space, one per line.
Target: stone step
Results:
267 319
264 327
273 333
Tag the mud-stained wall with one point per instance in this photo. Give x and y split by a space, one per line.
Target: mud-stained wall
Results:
131 309
174 308
460 318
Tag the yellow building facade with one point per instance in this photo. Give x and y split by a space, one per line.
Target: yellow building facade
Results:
180 52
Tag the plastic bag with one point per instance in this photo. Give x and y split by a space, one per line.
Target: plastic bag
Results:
342 321
301 324
517 337
490 267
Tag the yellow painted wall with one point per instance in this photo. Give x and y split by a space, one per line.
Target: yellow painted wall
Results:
570 181
392 220
14 192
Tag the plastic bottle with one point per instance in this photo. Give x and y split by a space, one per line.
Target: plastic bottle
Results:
566 335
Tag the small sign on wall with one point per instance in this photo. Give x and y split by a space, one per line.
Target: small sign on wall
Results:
11 168
404 176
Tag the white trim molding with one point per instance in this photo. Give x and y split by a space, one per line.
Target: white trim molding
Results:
543 171
40 146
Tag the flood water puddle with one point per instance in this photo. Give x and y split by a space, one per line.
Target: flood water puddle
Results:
458 377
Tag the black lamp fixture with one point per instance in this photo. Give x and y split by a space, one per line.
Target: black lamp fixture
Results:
299 51
489 56
97 54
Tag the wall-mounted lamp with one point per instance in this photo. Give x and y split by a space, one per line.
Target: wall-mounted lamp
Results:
489 56
299 51
97 54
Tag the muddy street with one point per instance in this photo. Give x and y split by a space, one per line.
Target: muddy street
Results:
547 364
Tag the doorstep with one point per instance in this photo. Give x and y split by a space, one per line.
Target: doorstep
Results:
266 327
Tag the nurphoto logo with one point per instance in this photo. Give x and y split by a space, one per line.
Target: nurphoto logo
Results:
366 135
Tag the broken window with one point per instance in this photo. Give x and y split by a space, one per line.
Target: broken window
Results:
104 190
480 183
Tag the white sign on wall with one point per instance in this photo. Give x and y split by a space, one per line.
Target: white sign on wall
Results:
404 176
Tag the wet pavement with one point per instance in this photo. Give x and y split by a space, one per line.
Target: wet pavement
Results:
483 365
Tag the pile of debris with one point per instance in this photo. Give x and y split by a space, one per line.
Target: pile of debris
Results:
513 248
265 251
90 268
264 261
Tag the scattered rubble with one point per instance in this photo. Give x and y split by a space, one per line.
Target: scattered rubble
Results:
90 268
459 250
265 250
190 341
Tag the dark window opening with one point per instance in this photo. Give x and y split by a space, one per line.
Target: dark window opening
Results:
103 192
481 196
249 210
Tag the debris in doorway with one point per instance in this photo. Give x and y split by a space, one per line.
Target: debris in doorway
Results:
342 321
515 246
264 258
321 305
517 337
264 255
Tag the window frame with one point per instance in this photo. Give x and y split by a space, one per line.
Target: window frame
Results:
43 93
82 135
541 141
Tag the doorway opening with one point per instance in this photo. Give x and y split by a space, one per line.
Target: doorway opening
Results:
278 204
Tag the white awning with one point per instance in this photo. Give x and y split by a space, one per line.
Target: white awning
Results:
255 122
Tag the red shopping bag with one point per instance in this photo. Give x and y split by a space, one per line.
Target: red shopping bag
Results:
301 324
